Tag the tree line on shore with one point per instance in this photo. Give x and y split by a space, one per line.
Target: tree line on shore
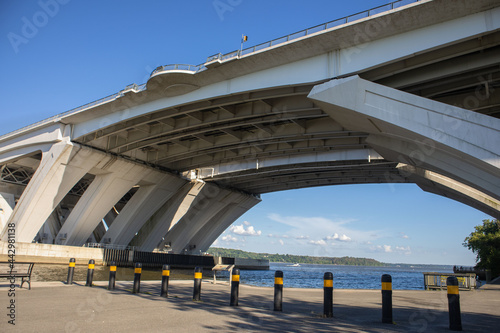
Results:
290 258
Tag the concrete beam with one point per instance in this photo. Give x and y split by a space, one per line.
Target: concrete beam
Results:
438 184
60 169
102 194
226 169
143 205
210 203
451 141
152 232
7 203
216 226
25 143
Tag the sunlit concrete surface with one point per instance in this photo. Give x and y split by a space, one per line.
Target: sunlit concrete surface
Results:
55 307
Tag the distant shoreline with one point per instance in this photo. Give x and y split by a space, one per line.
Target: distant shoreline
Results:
302 259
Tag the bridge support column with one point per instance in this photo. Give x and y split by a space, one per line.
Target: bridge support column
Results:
454 142
212 202
151 234
147 201
102 194
221 221
60 169
7 202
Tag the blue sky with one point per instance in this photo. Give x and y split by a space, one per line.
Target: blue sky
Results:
56 55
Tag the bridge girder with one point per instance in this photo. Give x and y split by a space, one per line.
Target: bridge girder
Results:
246 126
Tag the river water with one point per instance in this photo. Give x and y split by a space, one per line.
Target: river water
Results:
302 276
344 277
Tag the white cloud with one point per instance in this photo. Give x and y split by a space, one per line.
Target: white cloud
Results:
281 242
302 237
405 250
246 223
345 238
278 236
381 248
336 236
318 227
241 230
404 236
229 238
318 242
389 249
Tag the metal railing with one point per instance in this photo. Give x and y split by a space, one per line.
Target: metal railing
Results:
179 67
309 31
224 57
131 87
109 246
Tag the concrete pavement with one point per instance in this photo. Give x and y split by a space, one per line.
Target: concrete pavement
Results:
56 307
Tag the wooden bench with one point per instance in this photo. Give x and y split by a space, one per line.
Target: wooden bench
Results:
20 270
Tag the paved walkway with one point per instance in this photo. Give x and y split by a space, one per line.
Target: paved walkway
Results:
56 307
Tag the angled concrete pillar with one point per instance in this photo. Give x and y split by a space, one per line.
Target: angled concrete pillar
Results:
60 169
216 226
150 197
154 230
208 203
49 229
438 184
7 203
458 143
107 188
111 216
98 232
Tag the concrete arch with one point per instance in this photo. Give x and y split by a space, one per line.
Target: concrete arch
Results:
266 121
450 141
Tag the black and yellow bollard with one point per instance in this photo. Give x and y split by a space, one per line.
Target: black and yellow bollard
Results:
198 273
278 291
235 284
328 295
137 278
112 275
387 299
90 273
454 304
165 275
71 271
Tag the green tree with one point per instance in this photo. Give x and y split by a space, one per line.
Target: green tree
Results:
485 243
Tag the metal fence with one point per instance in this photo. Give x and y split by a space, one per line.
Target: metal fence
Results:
120 257
156 260
433 280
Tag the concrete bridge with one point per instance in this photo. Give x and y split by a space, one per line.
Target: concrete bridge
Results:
404 93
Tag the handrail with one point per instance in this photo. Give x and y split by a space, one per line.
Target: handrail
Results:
224 57
134 87
109 246
312 30
182 67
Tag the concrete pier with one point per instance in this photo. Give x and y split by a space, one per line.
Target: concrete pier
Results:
55 307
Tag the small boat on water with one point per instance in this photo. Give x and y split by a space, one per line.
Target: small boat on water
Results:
295 265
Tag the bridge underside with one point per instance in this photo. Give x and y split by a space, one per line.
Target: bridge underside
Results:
346 131
173 165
